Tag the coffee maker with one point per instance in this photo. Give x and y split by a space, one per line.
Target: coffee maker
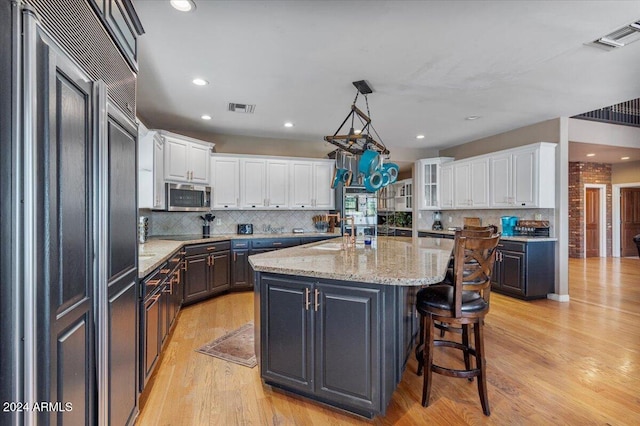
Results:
437 224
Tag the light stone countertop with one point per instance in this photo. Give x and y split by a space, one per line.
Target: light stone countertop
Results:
401 261
523 239
159 249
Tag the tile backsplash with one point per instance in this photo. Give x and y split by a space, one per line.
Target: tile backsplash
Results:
488 217
178 223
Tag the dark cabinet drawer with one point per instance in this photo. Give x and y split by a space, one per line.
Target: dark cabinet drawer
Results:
512 246
241 244
275 243
195 249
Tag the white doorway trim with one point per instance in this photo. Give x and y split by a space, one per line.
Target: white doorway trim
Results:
602 225
615 217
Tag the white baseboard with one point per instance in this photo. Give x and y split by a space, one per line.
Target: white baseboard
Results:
558 297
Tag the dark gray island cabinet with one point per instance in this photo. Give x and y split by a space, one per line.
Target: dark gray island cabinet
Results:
342 342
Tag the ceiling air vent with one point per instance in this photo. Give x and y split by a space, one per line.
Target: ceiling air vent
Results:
244 108
620 37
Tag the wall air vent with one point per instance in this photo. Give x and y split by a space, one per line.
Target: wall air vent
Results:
243 108
620 37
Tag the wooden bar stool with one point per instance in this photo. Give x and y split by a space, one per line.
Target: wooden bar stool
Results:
460 305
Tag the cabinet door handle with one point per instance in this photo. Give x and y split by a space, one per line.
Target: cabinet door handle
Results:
307 302
235 257
213 260
317 297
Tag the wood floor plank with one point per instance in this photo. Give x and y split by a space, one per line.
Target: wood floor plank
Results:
573 363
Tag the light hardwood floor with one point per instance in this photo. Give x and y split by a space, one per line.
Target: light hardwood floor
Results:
575 363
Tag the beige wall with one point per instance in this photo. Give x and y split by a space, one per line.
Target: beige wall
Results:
546 131
625 172
603 133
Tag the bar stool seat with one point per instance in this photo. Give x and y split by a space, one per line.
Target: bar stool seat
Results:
460 305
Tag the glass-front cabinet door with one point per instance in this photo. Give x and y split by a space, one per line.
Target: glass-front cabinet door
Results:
428 187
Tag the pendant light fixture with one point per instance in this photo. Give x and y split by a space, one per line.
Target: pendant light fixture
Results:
361 149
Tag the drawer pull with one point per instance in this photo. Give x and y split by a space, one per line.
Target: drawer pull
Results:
165 271
211 248
153 282
277 244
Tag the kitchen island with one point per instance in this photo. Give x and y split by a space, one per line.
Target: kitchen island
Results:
336 324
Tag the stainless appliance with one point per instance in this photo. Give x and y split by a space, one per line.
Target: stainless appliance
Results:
362 206
181 197
245 228
437 221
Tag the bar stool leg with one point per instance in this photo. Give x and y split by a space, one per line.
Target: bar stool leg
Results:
481 364
428 358
465 342
420 347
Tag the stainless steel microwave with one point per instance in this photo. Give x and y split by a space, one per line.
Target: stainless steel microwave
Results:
182 197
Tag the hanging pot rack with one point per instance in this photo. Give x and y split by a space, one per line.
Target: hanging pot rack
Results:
352 142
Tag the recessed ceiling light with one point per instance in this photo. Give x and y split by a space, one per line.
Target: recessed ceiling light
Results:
420 137
200 82
357 132
183 5
206 117
591 155
624 158
472 117
288 124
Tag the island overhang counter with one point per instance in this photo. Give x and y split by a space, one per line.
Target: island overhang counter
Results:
337 324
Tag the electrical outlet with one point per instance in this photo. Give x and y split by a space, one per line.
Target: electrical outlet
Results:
419 215
450 219
218 221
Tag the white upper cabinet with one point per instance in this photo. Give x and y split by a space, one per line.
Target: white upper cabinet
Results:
323 195
253 185
446 186
264 183
150 169
277 184
428 185
185 159
301 184
524 177
403 200
225 182
501 181
471 183
311 185
271 183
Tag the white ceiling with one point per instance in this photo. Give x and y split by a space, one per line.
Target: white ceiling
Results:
430 63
